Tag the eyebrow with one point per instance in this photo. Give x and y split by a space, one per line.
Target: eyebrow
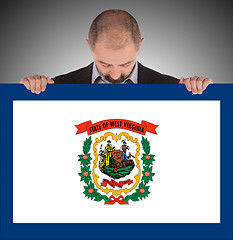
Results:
111 64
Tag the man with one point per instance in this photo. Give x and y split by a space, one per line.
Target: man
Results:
115 40
108 149
124 148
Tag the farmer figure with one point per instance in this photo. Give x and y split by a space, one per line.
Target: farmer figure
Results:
124 148
108 149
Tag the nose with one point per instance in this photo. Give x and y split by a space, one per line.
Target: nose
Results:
115 73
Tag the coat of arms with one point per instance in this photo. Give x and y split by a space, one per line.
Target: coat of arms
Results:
116 167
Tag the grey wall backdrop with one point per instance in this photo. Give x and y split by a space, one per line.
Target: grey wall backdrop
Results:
182 38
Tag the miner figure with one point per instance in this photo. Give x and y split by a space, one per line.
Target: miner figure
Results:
108 149
124 148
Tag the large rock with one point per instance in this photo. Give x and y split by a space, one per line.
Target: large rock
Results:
117 158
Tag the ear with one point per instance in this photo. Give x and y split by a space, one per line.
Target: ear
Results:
87 42
142 40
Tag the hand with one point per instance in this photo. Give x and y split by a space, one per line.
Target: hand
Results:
196 84
36 83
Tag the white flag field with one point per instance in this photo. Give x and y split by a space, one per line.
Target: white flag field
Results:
47 187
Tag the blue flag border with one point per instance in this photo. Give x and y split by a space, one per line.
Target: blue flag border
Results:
10 230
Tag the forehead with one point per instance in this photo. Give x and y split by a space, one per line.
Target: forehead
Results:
115 56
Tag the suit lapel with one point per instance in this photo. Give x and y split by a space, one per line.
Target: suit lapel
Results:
85 77
143 77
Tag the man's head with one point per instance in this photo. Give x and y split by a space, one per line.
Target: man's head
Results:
115 40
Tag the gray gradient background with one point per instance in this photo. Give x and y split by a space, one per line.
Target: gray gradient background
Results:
182 38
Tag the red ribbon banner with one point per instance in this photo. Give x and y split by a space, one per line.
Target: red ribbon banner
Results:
114 200
113 183
116 123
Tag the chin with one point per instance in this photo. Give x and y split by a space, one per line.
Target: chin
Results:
115 81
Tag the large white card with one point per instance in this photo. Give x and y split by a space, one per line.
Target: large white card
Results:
46 184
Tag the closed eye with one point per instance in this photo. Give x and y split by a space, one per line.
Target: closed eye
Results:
106 65
125 65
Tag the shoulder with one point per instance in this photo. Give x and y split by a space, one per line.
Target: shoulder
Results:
80 76
150 76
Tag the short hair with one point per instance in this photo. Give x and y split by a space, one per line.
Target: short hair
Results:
114 19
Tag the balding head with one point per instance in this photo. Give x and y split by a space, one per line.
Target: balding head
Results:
115 29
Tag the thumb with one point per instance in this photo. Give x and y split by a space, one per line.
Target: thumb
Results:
50 81
181 80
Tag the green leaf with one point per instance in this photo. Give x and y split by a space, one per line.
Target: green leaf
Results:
149 161
87 145
91 185
144 194
143 158
147 170
145 179
106 199
133 197
86 192
84 162
145 145
83 176
127 198
87 188
89 157
99 197
138 195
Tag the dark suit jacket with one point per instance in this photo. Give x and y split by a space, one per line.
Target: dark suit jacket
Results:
145 76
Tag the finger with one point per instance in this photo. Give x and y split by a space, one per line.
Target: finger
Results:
206 82
193 82
44 82
181 80
188 84
38 83
32 82
200 84
25 82
50 81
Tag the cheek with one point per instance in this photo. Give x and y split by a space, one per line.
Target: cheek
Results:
102 70
128 70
